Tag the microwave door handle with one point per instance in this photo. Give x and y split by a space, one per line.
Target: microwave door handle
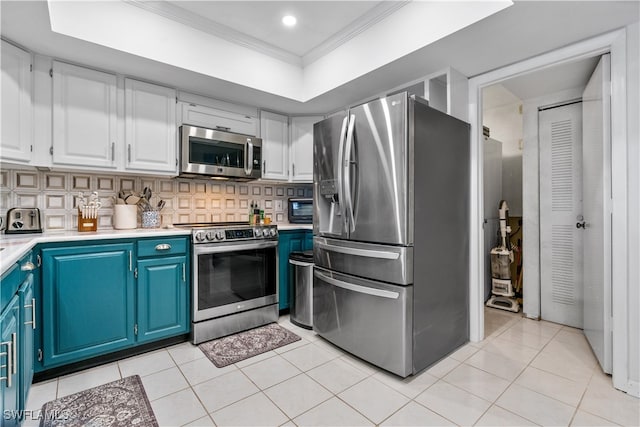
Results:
248 158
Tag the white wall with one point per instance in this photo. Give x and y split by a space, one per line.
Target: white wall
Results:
505 124
633 207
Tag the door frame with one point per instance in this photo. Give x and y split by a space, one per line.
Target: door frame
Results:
614 43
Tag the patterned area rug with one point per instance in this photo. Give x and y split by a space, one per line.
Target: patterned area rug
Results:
120 403
234 348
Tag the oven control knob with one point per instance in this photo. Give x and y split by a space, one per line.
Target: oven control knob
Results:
257 232
219 235
272 232
210 235
199 236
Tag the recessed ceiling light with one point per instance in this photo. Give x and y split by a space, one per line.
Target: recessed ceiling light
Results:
289 20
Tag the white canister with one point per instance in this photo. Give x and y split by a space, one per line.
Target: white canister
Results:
125 217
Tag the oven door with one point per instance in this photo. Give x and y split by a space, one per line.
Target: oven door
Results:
216 153
233 277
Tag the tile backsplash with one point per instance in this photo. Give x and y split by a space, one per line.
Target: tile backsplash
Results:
187 200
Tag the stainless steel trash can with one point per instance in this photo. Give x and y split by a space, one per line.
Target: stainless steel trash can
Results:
301 301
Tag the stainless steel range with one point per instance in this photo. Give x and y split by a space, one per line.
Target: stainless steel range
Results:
235 278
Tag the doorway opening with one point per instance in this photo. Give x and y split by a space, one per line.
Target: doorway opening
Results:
532 159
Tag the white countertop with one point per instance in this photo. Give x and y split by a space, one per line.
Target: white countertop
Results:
15 246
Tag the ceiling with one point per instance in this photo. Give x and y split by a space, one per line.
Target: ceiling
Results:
260 21
574 74
525 29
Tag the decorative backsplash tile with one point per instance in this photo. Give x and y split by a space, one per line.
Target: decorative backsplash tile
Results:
56 194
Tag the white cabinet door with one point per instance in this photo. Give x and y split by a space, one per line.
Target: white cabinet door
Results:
302 148
150 124
17 112
84 117
274 131
212 118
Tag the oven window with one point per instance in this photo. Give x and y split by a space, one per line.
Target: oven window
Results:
232 277
302 209
217 153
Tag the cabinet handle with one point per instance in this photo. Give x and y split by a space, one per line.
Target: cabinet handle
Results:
224 128
32 306
113 151
264 167
129 153
28 266
130 261
184 272
14 352
163 247
294 169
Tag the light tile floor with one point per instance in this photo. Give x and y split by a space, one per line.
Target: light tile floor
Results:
524 373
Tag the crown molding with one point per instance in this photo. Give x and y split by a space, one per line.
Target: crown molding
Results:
190 19
176 13
360 25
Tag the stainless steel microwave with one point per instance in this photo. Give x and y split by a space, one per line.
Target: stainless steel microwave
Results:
301 211
219 154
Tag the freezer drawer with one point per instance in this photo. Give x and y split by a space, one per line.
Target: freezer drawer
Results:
369 319
386 263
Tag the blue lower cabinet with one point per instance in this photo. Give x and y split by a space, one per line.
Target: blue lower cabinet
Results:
162 298
9 368
308 240
289 241
28 324
89 301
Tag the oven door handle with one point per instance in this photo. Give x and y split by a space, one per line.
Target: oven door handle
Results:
231 247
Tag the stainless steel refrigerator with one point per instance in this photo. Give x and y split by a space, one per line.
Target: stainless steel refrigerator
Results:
391 233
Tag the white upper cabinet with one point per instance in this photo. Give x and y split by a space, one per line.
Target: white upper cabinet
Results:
213 118
150 127
17 111
302 148
274 131
84 117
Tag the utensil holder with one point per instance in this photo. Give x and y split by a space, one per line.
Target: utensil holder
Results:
87 224
125 217
151 219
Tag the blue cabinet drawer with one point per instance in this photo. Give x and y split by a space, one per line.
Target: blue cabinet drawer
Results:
160 247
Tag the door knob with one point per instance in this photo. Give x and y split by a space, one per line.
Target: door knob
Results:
581 225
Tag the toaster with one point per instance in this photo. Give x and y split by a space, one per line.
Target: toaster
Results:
23 220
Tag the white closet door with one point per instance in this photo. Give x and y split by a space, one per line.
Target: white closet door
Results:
560 136
597 212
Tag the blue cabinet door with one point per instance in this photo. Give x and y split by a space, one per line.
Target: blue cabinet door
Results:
288 241
308 240
27 326
88 301
162 298
9 368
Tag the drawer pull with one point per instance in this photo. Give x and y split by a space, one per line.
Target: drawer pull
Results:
163 247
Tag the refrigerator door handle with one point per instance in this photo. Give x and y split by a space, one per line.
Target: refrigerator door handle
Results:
343 136
358 252
346 165
357 288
